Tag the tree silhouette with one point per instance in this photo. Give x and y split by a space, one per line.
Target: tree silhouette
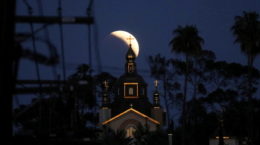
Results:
247 32
143 136
160 71
111 137
220 85
99 83
187 42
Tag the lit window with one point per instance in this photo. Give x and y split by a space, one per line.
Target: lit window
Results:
130 131
131 91
130 67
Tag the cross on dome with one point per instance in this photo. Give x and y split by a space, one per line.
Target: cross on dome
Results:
130 38
156 83
106 84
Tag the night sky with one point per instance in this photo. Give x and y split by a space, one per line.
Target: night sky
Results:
152 23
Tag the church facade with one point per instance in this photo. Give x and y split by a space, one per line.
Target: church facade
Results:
131 106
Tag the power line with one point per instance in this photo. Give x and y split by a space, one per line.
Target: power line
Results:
36 62
47 37
62 41
33 43
96 42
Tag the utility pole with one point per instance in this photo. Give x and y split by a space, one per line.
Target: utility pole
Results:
7 78
8 59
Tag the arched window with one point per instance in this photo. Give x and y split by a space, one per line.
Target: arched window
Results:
131 91
130 131
130 67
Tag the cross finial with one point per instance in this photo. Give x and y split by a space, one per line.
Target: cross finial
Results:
106 84
130 38
156 82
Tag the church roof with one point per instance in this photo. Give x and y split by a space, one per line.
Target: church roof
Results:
130 53
130 78
134 111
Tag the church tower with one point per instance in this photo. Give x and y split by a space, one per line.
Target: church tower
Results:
156 110
130 66
105 109
131 89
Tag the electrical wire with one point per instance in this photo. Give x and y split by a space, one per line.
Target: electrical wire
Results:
47 38
62 40
96 48
89 47
89 35
30 12
53 52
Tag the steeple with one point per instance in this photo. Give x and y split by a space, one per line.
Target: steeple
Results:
157 111
130 66
105 97
156 99
105 109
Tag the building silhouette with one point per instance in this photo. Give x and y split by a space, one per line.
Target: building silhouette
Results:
131 106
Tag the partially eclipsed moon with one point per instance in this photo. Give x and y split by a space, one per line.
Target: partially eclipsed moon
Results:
128 38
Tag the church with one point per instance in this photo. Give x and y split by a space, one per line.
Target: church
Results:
131 106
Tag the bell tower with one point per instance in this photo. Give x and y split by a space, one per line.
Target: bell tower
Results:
130 66
156 110
105 109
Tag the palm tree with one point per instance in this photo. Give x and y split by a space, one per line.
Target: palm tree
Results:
247 32
187 42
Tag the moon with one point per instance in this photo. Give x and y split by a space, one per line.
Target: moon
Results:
128 39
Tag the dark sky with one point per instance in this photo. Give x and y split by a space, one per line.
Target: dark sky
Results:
151 21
